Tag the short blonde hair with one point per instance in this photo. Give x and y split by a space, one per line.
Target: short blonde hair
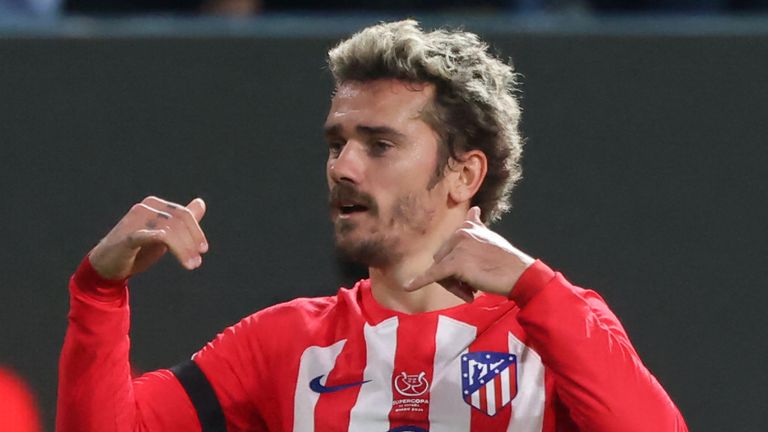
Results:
475 105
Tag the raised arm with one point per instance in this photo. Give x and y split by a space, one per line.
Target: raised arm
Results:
599 376
96 392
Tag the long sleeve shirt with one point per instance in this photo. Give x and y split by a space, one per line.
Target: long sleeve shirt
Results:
553 357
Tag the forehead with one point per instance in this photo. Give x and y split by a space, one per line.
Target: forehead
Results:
384 100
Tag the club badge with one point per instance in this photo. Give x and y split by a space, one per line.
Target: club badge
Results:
488 380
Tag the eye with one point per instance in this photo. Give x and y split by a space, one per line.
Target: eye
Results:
379 147
335 147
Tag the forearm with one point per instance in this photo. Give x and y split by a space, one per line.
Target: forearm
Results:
95 389
598 374
96 392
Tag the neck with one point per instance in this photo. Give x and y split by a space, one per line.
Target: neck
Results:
387 282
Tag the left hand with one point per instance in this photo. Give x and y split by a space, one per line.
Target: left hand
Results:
474 258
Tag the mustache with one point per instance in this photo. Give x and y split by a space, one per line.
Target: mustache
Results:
346 192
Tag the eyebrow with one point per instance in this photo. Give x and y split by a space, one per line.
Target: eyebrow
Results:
335 130
332 130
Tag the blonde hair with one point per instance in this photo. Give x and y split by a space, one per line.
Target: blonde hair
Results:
474 106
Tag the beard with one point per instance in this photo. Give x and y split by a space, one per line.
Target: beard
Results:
376 251
372 251
380 247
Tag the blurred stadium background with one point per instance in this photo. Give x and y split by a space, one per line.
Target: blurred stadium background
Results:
645 167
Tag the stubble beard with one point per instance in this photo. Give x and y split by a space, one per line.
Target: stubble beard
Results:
377 249
370 252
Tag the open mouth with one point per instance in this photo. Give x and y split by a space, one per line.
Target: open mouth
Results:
345 201
349 209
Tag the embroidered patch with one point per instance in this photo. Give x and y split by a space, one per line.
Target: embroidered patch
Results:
410 395
488 380
411 385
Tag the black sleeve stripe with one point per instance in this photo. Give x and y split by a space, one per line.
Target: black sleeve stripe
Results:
202 396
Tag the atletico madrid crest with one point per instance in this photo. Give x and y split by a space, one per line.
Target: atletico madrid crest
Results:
488 380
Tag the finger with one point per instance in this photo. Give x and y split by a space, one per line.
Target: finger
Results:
151 247
459 289
175 233
438 271
189 217
473 214
185 242
143 216
197 207
146 237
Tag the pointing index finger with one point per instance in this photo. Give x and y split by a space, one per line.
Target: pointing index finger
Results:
438 271
450 283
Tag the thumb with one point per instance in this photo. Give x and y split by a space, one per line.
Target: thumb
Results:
197 207
473 214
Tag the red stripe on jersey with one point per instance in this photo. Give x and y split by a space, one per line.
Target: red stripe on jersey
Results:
550 413
333 408
413 371
483 399
497 392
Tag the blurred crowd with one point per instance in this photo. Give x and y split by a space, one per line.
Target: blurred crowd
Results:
250 7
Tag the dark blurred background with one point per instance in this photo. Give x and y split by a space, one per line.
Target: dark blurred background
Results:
644 167
255 7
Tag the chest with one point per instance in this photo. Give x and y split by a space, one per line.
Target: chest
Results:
442 374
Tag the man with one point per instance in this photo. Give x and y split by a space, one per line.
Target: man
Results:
456 329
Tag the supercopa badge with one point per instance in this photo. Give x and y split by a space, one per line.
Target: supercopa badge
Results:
488 380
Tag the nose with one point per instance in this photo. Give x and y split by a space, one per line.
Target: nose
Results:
347 165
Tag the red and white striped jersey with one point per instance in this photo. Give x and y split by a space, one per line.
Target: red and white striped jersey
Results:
553 359
345 363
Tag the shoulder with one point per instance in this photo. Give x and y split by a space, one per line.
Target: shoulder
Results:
302 322
305 312
284 326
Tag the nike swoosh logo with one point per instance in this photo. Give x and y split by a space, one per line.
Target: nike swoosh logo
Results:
316 387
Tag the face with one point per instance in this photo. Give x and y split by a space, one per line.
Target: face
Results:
381 170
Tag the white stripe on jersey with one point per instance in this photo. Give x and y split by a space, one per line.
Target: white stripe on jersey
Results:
476 400
447 410
505 386
315 361
490 396
371 412
528 405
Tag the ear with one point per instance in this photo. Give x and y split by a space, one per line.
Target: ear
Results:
468 175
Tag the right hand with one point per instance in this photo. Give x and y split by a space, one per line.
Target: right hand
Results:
146 233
